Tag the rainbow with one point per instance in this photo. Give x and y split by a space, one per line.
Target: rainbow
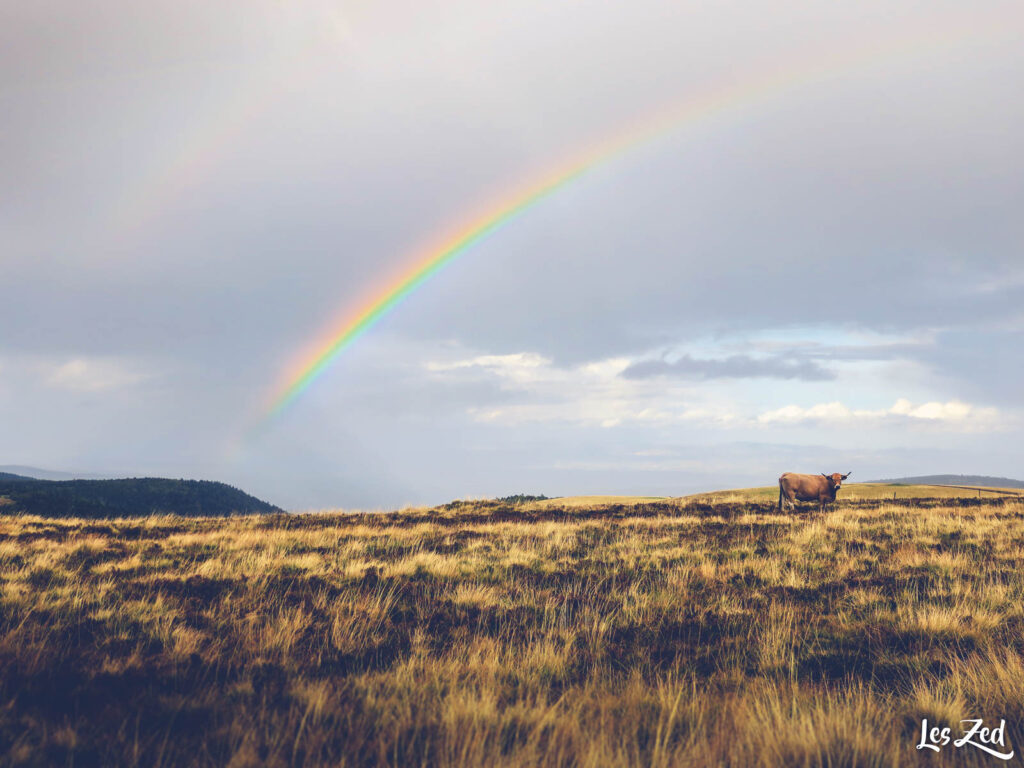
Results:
714 101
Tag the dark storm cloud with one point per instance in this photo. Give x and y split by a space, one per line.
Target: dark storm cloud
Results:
733 367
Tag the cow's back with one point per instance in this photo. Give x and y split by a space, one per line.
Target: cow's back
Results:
795 480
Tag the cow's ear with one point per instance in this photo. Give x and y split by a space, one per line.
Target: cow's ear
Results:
847 474
823 474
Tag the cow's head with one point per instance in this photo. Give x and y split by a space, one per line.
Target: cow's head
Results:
835 480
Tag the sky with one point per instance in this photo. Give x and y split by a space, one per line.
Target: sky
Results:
821 274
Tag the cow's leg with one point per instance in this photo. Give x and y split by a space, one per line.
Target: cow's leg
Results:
787 498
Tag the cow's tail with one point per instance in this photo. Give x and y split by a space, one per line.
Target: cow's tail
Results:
780 494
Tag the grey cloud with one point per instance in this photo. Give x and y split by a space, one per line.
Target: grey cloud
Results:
733 367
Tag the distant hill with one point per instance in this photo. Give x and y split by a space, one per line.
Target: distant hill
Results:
983 480
134 497
48 474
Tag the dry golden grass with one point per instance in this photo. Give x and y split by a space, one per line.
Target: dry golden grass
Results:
590 502
626 632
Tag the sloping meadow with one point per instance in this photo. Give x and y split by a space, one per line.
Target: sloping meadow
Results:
662 633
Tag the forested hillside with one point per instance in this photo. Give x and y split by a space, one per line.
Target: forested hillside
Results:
133 497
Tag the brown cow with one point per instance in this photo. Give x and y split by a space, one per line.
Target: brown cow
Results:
820 488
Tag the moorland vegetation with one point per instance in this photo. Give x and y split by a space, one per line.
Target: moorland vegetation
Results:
699 632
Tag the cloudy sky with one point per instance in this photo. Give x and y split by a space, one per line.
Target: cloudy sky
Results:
822 275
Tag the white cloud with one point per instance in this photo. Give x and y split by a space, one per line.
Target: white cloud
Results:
595 409
835 411
93 374
521 366
954 410
951 413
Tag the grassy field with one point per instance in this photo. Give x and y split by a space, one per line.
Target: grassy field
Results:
562 633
